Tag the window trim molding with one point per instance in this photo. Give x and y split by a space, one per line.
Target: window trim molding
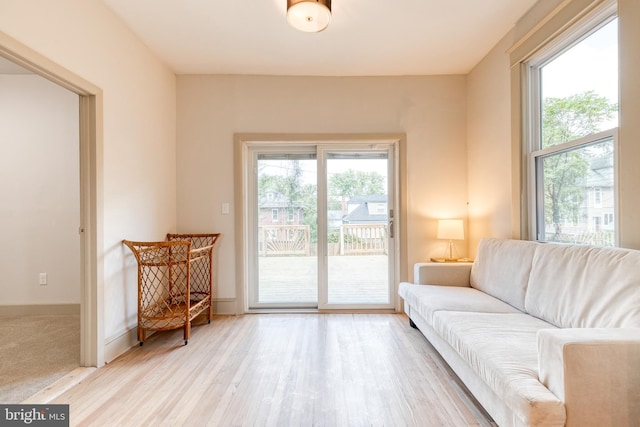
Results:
569 16
566 24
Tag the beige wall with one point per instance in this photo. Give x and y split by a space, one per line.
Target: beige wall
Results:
138 163
39 192
489 147
493 157
430 110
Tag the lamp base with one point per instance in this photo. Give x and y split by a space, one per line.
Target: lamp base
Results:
444 259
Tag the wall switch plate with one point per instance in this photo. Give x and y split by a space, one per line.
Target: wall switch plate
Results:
225 208
43 278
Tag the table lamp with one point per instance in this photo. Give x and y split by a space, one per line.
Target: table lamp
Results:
449 229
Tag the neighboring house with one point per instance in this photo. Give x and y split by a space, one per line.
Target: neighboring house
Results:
595 219
596 210
367 210
282 231
598 204
276 209
364 229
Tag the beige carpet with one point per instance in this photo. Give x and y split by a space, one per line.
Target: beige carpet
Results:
35 351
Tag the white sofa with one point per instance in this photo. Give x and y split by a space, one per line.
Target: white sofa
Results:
541 334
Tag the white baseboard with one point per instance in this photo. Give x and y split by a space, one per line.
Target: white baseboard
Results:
224 306
120 343
39 309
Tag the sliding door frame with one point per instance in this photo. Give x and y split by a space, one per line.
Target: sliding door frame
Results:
242 155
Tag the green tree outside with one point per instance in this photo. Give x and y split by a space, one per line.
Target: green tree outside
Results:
564 120
342 186
298 194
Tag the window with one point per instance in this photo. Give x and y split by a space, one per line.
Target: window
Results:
572 88
274 215
608 219
597 197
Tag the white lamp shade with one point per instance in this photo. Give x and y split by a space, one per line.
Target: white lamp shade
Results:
310 16
450 229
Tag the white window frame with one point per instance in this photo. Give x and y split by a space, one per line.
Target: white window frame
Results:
531 102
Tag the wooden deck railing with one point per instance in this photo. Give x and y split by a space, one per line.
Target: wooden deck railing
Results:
283 240
355 239
363 239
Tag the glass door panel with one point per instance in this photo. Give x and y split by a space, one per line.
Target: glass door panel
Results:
287 230
358 209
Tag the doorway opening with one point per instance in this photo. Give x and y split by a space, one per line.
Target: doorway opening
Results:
41 210
89 157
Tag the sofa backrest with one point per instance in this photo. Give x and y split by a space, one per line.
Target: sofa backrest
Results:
574 286
502 269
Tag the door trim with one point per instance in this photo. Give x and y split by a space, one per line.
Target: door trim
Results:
91 215
242 141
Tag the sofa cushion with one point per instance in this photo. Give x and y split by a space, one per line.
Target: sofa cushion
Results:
502 349
428 299
585 286
502 269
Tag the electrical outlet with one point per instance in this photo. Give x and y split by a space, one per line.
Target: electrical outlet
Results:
43 278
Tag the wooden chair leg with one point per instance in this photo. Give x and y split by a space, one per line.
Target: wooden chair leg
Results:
187 332
141 335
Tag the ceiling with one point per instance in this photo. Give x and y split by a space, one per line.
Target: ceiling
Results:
365 37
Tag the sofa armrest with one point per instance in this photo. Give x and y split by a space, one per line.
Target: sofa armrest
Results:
443 274
595 372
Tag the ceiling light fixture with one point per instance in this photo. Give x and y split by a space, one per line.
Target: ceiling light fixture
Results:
311 16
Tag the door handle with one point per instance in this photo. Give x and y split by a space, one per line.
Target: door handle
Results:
391 229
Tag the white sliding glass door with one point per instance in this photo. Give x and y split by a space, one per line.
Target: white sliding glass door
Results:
321 226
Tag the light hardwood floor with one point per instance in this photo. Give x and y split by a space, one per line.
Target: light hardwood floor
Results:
279 370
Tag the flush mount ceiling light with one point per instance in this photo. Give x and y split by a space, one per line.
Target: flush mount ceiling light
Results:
311 16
